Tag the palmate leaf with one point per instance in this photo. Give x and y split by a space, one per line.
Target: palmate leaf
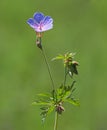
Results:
46 102
64 92
55 100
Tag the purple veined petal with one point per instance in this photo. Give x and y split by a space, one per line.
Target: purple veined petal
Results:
32 23
47 27
38 17
47 20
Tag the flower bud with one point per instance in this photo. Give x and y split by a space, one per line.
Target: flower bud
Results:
38 43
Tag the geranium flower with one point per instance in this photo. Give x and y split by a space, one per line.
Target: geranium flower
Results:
40 23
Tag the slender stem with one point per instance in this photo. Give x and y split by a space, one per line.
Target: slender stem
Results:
48 67
65 75
56 121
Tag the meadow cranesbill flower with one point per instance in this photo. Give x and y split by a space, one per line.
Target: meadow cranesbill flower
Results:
40 23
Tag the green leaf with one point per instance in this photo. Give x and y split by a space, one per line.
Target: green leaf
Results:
72 85
46 111
51 109
44 108
66 95
73 102
40 103
43 95
59 57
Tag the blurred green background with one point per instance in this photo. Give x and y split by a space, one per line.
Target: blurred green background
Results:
79 26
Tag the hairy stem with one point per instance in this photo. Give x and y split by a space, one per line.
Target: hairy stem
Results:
56 121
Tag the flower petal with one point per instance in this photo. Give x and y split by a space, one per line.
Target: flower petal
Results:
38 16
32 23
47 20
47 27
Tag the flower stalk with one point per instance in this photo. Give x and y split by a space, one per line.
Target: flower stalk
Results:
48 67
56 121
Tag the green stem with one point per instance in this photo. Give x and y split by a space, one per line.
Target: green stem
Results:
48 67
56 121
65 75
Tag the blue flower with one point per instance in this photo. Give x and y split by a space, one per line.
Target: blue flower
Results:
40 22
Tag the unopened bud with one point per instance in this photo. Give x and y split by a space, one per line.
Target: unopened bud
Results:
38 42
59 108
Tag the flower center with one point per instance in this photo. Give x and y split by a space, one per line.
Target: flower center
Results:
41 27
